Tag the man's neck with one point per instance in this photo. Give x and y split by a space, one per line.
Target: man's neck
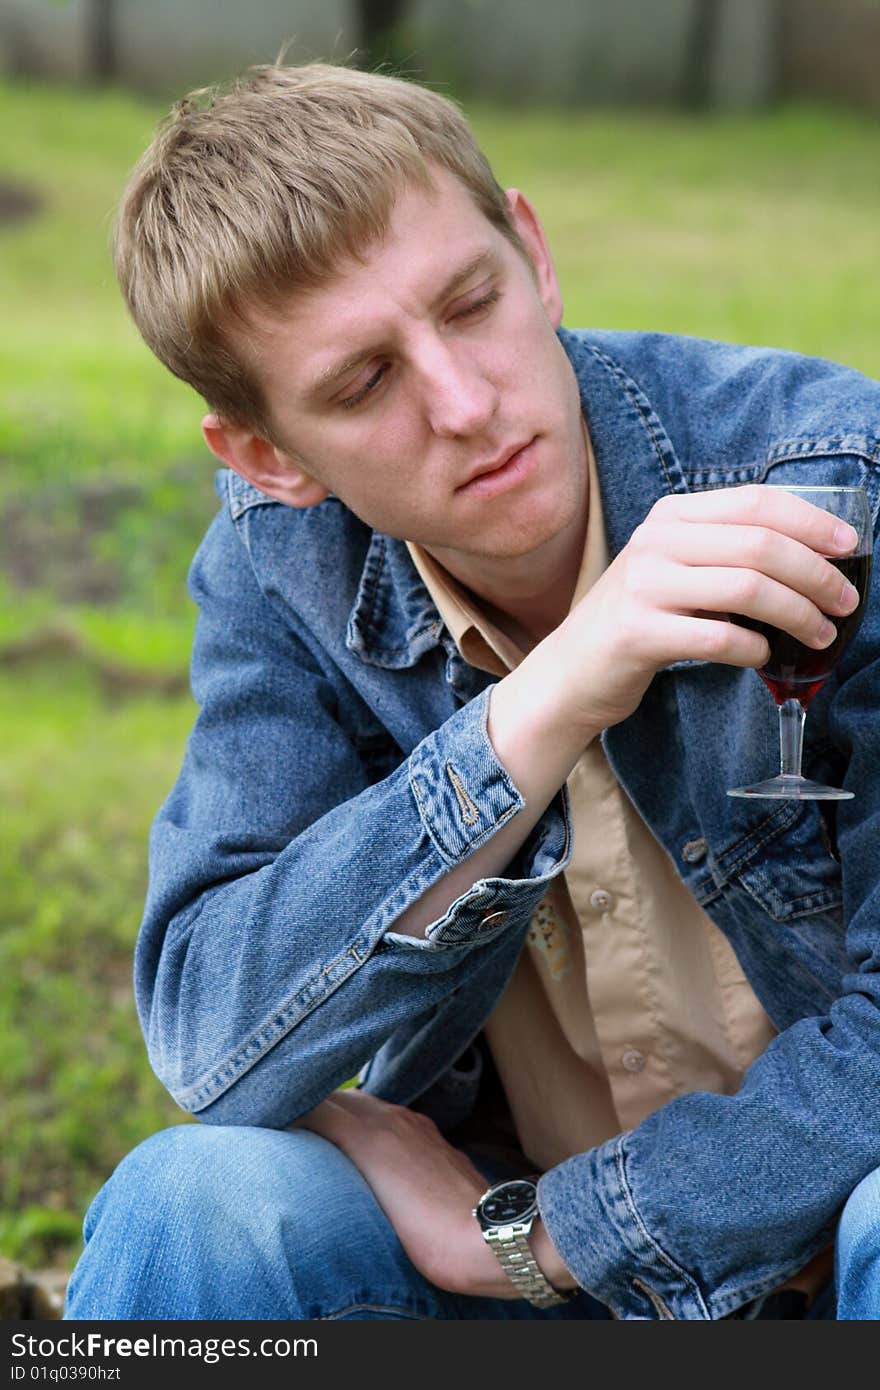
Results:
526 596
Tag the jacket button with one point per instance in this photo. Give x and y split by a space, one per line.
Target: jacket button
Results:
632 1059
600 901
694 851
494 919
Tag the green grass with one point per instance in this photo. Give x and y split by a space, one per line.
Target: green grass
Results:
757 229
79 780
751 229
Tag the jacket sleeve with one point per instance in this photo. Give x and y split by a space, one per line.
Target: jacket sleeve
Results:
264 976
714 1200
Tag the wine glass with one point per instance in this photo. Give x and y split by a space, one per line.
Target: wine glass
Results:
794 671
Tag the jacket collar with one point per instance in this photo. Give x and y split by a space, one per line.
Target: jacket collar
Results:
635 460
394 620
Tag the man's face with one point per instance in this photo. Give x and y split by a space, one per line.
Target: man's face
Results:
425 386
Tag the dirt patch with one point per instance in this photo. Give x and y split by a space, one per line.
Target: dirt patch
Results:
58 542
58 643
104 539
18 203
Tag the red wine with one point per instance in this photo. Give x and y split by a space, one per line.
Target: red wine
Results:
795 671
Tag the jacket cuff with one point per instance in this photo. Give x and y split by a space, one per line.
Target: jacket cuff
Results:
461 789
588 1208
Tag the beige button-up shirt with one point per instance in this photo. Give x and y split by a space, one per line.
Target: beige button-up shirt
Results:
626 994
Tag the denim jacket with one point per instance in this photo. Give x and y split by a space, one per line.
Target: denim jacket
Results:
340 765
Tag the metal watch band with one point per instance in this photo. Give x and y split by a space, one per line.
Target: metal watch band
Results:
521 1267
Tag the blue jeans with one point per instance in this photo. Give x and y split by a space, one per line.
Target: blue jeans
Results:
227 1222
857 1259
210 1222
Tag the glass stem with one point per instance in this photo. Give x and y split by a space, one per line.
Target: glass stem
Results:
792 717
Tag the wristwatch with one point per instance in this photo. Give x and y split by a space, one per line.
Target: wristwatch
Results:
506 1214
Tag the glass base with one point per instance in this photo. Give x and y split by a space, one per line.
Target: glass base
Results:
790 788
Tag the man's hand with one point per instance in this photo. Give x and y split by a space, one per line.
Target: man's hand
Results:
427 1189
696 559
695 562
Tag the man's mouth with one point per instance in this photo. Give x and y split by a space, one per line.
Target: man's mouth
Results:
494 468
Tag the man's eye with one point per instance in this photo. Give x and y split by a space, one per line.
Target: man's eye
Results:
351 401
483 302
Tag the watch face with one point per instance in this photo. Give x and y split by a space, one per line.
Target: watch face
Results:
511 1201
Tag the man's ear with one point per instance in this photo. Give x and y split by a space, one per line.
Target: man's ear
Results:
527 223
261 463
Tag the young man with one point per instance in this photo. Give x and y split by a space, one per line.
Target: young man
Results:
454 814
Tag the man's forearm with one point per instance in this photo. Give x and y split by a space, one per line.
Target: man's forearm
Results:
538 744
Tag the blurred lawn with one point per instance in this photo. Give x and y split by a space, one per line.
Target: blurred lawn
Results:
758 229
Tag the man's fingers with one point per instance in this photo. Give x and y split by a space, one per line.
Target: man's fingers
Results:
751 594
711 639
767 506
766 552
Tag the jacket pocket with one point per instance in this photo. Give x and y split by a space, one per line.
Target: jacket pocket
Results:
794 875
787 906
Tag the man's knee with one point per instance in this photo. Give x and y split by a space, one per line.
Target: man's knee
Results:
861 1215
215 1221
213 1176
858 1252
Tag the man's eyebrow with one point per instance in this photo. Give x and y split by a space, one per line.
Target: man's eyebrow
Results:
327 379
460 277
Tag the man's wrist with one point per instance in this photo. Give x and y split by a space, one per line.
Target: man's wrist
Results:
549 1260
533 730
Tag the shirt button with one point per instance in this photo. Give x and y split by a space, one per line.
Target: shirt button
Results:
494 919
632 1059
600 901
694 851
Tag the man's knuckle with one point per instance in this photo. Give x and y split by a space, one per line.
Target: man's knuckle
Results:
761 545
829 581
715 640
747 587
753 501
809 617
638 578
663 506
642 538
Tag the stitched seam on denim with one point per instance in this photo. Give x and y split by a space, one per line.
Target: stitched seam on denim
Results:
782 816
240 495
239 507
655 1298
790 450
370 594
706 891
646 411
469 811
399 1310
397 941
729 1302
778 909
772 826
473 843
646 1234
842 446
373 581
823 898
284 1019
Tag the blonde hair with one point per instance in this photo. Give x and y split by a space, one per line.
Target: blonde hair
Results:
250 193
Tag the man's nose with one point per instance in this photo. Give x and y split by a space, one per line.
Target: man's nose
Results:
461 398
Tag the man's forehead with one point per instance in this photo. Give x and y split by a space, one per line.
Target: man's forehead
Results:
447 286
324 332
437 239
